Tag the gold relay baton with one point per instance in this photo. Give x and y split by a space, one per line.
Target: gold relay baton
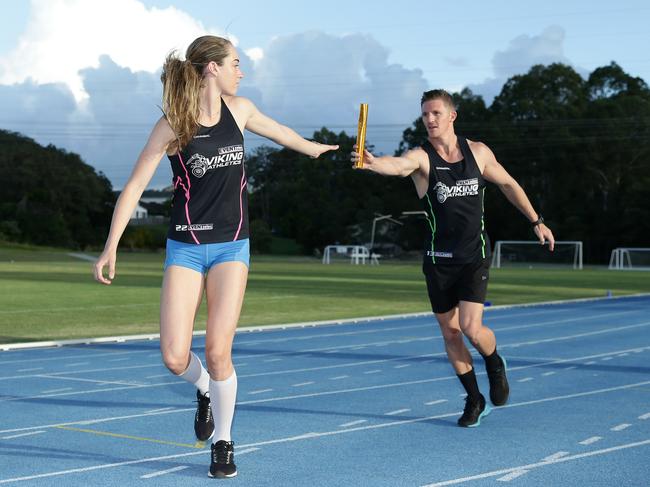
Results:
361 133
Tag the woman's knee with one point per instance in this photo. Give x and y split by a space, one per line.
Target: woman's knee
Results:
176 361
218 359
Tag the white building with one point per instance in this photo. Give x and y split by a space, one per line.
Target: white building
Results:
139 213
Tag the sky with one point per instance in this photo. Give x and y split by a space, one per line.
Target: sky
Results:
84 75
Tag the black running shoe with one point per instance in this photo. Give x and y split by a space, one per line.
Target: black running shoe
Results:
499 388
222 464
203 421
474 412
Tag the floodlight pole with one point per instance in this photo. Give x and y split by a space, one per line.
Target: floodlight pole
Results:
374 225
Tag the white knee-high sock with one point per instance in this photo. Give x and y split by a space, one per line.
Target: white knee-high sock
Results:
223 394
196 374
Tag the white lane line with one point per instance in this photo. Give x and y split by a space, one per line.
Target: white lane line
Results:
30 370
353 423
376 371
260 391
78 364
577 335
525 379
623 355
571 368
93 355
113 465
332 351
591 362
87 371
606 359
241 365
119 359
164 472
368 388
272 360
22 434
512 475
555 456
94 381
339 377
329 393
157 376
437 401
303 384
56 390
426 316
495 473
645 416
591 440
159 410
361 428
620 427
397 411
402 366
546 374
357 348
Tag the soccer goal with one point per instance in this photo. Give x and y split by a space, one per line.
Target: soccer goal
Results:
355 254
630 259
526 253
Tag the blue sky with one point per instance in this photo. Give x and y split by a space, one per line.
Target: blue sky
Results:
84 74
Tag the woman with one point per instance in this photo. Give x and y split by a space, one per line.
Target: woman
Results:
207 247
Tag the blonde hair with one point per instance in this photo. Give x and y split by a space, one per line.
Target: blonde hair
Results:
182 83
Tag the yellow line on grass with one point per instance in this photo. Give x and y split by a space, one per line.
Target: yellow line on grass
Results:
198 444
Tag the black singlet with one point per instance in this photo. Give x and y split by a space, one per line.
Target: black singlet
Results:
454 206
210 202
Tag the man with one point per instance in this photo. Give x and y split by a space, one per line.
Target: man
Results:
449 173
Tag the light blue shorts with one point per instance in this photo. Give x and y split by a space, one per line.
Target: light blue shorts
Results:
202 257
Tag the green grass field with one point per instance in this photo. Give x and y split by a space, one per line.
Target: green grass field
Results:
47 295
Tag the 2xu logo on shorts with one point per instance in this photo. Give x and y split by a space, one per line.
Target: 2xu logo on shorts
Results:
196 227
232 155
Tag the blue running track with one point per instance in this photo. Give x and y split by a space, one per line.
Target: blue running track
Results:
370 403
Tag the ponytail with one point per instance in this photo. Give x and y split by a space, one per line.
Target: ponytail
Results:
180 103
182 85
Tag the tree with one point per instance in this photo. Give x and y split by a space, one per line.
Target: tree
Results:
50 196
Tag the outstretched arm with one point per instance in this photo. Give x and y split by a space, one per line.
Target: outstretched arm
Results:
146 165
496 173
402 166
260 124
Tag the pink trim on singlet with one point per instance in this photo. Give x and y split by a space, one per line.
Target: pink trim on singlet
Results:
187 196
241 201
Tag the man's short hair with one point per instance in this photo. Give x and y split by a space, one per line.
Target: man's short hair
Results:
438 95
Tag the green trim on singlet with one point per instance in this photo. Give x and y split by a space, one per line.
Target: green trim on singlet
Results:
483 222
432 224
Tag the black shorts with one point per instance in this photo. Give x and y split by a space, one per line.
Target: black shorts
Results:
448 284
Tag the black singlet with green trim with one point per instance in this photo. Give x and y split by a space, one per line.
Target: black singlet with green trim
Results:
454 206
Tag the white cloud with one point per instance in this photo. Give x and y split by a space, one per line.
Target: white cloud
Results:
65 36
255 53
315 79
85 76
522 53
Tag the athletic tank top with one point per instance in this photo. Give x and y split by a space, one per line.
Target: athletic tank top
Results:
210 202
454 206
